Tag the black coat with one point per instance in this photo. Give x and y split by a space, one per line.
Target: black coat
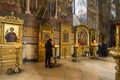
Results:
104 48
48 47
99 49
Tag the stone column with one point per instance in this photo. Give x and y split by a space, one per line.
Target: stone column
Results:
27 7
56 10
36 4
18 6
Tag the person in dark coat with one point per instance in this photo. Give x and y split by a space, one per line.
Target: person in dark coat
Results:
48 55
104 49
99 52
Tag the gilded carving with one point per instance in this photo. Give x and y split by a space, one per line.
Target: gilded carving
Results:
65 40
82 32
65 51
115 52
45 36
45 32
0 34
82 39
8 51
65 36
10 24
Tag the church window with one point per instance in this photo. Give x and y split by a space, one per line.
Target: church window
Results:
80 10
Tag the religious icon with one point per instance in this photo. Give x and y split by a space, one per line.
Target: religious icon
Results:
82 38
11 33
46 35
11 36
65 37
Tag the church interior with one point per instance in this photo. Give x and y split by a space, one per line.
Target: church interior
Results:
85 34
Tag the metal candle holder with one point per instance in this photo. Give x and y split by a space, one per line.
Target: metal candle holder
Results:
17 68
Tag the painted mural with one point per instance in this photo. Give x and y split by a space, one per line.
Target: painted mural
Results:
93 3
113 9
30 35
81 10
30 31
8 5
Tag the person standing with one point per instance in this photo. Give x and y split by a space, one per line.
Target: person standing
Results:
99 49
48 53
104 49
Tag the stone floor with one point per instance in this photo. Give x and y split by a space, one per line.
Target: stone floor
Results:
84 69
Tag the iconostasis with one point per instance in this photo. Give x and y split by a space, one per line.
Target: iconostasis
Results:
82 39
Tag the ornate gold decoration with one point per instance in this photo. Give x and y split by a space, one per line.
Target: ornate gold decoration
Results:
11 19
94 47
44 30
8 48
115 52
65 37
81 49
